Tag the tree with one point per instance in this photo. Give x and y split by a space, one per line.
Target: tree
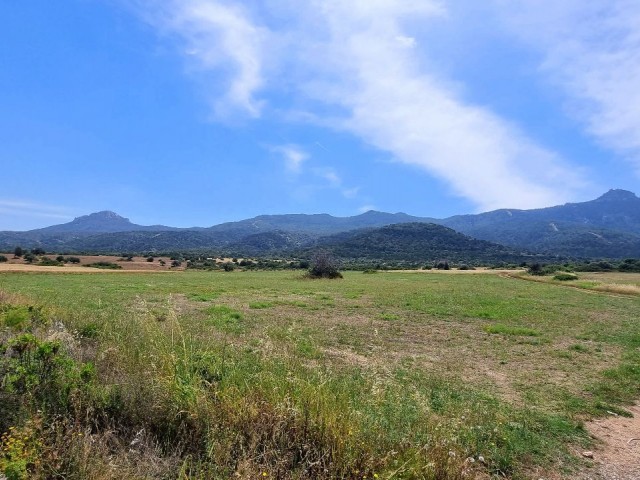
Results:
3 258
18 252
324 265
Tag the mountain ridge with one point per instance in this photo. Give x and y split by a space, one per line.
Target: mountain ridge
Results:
606 227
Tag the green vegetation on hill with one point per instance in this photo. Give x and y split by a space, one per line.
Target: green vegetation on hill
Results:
608 227
418 242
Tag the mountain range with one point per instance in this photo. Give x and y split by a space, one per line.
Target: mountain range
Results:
607 227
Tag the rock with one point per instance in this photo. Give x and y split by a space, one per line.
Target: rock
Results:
587 454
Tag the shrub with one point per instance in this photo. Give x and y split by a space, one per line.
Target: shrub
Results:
442 265
18 252
229 267
563 277
323 265
105 265
176 263
150 259
535 269
73 260
49 262
3 258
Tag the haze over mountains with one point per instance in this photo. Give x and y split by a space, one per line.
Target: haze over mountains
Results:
607 227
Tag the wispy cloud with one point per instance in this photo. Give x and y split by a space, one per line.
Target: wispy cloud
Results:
366 208
293 156
359 67
591 50
396 105
222 43
28 209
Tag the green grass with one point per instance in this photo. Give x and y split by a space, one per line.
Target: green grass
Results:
391 374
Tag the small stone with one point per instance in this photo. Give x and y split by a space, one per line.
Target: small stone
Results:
587 454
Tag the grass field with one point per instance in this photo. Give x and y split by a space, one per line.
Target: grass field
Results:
269 375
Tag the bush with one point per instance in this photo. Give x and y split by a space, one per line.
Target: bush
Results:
49 262
229 267
18 252
442 265
73 260
535 269
563 277
3 258
150 259
104 265
323 265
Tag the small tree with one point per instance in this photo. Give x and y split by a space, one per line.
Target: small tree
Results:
324 265
442 265
536 269
18 252
3 259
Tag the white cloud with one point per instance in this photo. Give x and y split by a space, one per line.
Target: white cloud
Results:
218 37
24 209
591 50
366 208
330 175
359 68
398 106
293 155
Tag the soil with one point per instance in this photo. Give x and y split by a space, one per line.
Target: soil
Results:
137 264
617 455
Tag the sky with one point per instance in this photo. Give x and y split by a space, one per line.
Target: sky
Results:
196 112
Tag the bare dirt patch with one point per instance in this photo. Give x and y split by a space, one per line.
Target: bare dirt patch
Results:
617 457
136 264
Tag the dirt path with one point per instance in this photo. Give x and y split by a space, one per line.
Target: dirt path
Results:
617 457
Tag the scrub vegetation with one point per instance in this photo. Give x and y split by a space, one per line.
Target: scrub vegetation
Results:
213 374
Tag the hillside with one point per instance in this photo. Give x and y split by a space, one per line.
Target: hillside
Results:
315 225
418 242
608 226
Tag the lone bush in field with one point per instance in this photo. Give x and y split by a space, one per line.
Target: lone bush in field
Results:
3 258
323 265
18 252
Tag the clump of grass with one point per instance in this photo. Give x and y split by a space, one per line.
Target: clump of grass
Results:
260 305
89 330
578 347
389 316
502 329
203 297
225 319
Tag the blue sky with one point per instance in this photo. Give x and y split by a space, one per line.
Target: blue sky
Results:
195 112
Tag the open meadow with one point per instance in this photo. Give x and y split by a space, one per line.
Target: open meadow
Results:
261 374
